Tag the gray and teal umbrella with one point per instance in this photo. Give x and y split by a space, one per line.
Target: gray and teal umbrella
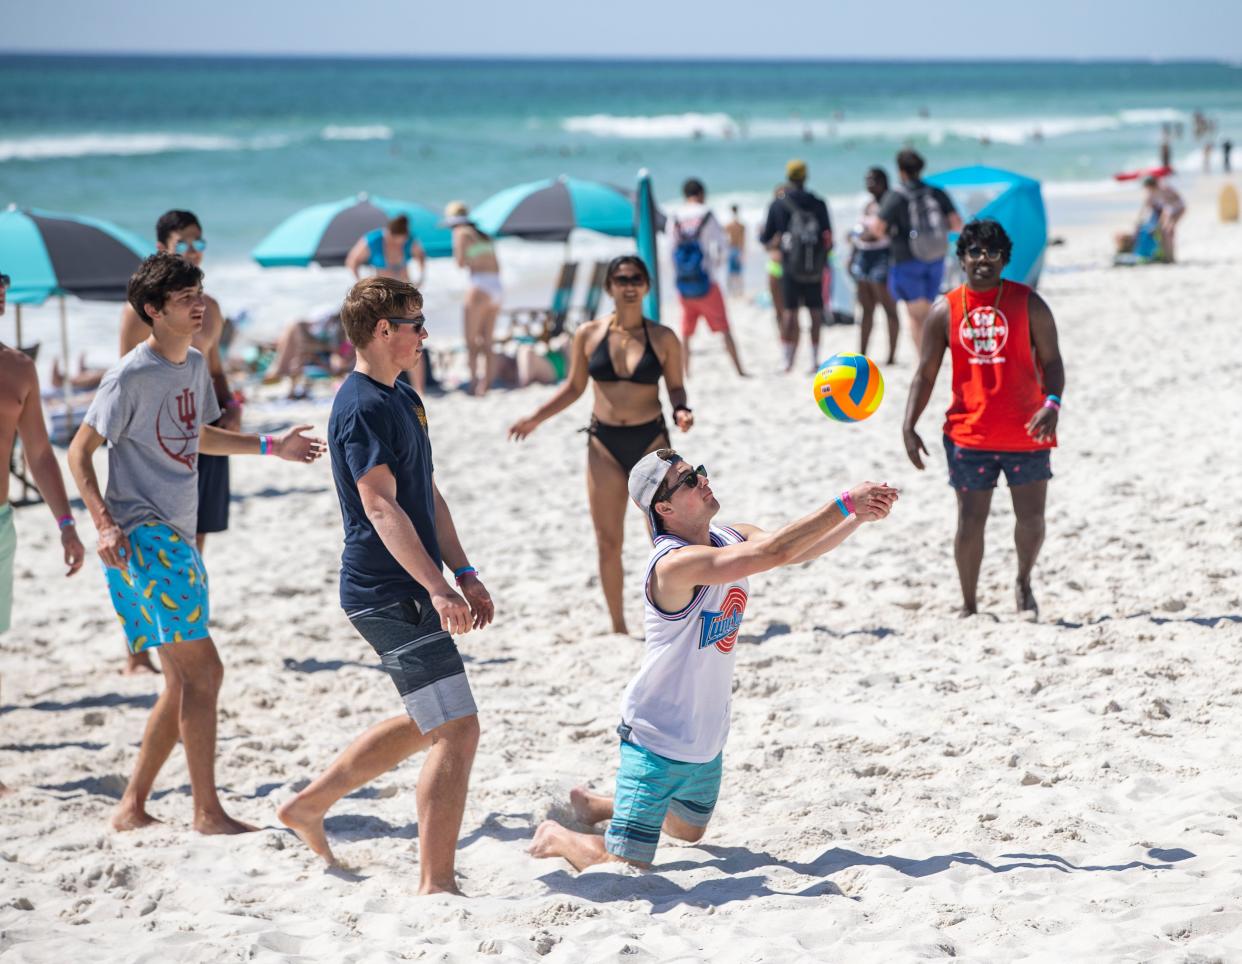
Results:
48 254
549 210
324 233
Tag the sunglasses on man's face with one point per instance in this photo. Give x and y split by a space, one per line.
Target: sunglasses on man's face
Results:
977 251
418 324
628 280
690 480
183 247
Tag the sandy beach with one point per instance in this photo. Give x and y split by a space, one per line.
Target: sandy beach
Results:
899 784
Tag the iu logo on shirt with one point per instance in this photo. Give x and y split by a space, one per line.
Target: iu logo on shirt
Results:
178 439
719 629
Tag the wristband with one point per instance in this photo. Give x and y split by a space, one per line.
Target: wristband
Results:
65 521
266 445
848 501
841 505
1053 401
459 574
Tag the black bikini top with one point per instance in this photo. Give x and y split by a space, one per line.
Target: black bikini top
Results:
648 371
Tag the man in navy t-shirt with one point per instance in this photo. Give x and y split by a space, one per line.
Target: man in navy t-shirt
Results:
398 535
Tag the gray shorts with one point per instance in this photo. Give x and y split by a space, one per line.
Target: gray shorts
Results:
421 658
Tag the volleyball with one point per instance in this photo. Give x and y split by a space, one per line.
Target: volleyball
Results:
848 387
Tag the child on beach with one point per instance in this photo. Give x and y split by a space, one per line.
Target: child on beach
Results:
154 408
675 712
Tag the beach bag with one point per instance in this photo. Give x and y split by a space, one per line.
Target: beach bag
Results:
803 245
929 233
689 262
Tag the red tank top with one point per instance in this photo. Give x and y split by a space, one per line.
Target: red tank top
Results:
997 385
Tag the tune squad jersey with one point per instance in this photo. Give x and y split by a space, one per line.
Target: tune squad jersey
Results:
678 705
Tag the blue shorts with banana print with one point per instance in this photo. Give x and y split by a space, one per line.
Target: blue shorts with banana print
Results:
161 595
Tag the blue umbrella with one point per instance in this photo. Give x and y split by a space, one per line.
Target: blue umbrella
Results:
550 209
324 233
647 222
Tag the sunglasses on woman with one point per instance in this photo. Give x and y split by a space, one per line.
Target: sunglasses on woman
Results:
181 247
628 280
690 480
977 251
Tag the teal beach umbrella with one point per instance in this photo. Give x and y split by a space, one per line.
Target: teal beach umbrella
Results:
550 209
324 233
1014 200
647 222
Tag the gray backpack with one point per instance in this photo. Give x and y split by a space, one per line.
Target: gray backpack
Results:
929 231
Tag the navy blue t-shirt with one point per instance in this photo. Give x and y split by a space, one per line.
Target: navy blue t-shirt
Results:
372 425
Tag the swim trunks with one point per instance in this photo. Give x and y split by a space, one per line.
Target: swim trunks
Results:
161 596
976 470
213 493
798 293
735 260
915 280
710 307
8 551
648 787
421 659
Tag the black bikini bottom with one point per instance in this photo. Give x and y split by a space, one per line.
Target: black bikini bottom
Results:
627 443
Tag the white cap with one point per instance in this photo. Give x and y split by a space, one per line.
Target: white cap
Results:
645 478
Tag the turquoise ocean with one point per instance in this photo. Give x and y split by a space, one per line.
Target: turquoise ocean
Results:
245 142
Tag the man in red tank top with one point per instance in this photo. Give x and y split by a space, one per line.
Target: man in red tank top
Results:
1007 384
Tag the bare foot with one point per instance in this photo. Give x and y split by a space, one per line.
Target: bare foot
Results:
1026 599
128 816
307 823
5 790
220 823
967 611
427 890
590 808
580 849
139 663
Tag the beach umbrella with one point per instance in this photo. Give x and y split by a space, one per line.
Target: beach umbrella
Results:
647 222
323 233
1014 200
550 209
48 254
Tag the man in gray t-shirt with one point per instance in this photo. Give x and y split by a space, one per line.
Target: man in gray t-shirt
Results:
150 410
155 408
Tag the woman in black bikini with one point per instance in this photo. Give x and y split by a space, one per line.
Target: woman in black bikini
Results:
625 356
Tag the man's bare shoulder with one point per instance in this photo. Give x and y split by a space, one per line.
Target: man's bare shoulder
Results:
16 365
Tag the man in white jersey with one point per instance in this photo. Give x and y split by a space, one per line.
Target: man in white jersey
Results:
675 712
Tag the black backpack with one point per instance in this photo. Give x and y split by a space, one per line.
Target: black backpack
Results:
929 230
803 245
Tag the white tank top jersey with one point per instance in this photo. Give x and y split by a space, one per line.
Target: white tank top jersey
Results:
678 705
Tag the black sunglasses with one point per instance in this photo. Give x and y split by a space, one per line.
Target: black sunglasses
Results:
690 480
992 254
628 280
418 324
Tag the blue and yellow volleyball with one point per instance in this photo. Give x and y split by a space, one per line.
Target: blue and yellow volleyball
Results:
848 387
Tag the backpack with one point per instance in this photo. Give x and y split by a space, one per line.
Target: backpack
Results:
929 233
803 245
689 262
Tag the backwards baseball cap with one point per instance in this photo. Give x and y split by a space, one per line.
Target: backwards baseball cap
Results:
646 478
795 170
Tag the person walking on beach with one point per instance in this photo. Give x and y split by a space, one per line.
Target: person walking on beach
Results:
869 266
736 231
476 252
21 416
180 233
155 409
625 356
399 533
1008 379
699 242
675 712
799 220
917 218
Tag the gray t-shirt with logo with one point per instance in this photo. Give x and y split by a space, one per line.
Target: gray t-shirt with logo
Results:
150 411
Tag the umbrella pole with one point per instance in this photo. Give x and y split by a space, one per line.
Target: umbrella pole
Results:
18 320
66 371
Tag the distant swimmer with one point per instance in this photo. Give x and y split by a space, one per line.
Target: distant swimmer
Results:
675 713
736 232
1008 380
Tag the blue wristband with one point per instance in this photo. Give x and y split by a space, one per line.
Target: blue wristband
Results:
1053 398
463 571
841 505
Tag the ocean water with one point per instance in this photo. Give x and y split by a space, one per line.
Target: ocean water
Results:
245 142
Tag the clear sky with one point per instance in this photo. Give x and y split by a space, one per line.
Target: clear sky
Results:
950 29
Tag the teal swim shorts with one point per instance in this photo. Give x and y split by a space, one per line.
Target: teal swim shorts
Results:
648 787
161 596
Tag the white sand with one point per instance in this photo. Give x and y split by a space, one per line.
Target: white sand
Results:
899 783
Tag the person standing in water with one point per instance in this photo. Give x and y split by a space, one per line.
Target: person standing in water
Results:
625 357
476 252
736 231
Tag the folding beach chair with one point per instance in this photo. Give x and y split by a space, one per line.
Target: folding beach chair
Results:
594 292
545 322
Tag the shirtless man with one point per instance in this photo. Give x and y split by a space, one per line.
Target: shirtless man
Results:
21 414
389 250
736 232
179 233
